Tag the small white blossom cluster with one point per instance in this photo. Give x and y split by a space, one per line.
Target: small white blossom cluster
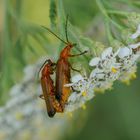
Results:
108 67
24 116
82 91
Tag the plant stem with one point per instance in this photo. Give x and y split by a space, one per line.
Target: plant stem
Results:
61 21
104 12
6 76
53 13
109 34
118 12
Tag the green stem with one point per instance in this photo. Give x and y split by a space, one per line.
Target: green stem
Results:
104 12
6 76
61 17
109 34
118 12
131 3
53 13
61 21
18 7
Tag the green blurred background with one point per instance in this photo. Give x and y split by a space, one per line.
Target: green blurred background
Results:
114 115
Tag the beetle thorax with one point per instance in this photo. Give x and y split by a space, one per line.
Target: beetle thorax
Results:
47 70
66 51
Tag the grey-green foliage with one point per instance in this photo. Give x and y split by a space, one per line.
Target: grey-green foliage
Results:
17 49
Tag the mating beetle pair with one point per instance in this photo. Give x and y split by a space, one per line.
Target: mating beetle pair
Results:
56 96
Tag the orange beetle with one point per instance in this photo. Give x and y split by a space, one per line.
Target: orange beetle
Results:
58 98
48 88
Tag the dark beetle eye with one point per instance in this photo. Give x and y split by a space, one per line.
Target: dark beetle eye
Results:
52 64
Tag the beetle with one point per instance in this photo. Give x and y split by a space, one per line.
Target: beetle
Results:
63 68
48 88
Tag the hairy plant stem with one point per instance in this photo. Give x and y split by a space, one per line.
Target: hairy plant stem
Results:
122 13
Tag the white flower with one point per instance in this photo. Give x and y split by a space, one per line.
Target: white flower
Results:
137 33
83 91
128 75
15 90
77 78
94 61
124 52
127 58
106 68
29 72
135 46
107 53
79 83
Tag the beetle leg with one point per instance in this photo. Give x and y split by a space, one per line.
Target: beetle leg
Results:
42 97
74 69
75 90
73 55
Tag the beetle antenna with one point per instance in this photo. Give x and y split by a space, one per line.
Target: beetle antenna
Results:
66 28
54 34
